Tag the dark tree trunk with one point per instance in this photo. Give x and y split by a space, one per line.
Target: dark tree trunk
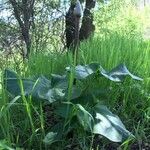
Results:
70 27
23 11
27 40
87 28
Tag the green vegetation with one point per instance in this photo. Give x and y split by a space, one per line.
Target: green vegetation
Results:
47 102
130 99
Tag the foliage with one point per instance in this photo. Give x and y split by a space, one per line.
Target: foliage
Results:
26 120
121 17
45 20
4 145
94 119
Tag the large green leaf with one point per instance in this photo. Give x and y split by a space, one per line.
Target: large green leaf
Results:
82 72
84 117
39 89
52 94
12 83
59 81
119 73
76 92
65 110
109 125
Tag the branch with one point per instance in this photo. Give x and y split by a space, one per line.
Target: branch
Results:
16 12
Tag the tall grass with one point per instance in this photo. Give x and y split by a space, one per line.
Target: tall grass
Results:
24 124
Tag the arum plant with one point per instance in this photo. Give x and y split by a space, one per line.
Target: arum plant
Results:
92 117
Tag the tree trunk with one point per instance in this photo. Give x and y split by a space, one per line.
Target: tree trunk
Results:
87 28
23 11
27 40
70 27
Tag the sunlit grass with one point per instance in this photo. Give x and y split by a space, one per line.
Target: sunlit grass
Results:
23 124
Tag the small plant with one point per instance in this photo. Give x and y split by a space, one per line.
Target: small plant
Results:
76 113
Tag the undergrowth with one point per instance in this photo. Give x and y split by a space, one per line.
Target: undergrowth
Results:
25 123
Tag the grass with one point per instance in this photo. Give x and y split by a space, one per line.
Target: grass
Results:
24 123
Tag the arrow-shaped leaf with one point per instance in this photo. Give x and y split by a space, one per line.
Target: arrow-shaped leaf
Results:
12 83
119 73
82 72
39 89
109 125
